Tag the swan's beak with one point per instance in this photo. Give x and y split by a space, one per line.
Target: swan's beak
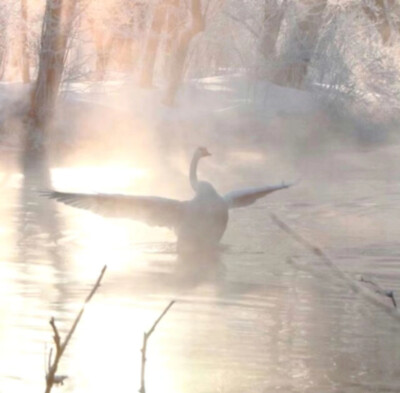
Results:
207 153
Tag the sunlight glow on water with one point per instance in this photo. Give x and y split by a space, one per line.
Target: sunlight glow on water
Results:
101 241
246 321
96 179
115 330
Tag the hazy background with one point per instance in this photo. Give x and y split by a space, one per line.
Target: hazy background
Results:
115 97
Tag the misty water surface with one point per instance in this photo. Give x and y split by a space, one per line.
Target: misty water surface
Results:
246 320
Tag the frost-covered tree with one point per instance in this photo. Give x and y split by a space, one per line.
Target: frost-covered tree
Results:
195 24
303 22
273 14
174 25
57 23
385 16
161 11
8 11
4 17
25 62
354 64
112 32
19 33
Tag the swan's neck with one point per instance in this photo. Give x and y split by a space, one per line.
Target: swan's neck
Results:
193 171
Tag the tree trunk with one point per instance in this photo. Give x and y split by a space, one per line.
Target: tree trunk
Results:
134 30
381 13
176 70
103 50
153 43
56 28
273 16
3 42
103 42
24 43
55 32
301 43
172 25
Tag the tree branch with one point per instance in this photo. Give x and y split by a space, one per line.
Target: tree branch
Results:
146 336
372 295
243 23
51 377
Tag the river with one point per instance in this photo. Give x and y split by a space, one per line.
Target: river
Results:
264 315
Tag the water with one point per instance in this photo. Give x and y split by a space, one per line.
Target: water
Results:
246 320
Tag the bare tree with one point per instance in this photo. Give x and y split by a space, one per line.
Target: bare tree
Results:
274 12
60 346
172 25
103 42
56 28
153 42
129 33
385 16
305 23
116 29
24 43
129 16
176 70
273 15
4 17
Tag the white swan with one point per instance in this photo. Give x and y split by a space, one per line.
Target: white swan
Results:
198 223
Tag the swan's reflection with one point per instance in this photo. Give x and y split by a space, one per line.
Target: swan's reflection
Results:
167 275
195 268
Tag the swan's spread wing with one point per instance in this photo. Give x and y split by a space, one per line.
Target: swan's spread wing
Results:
245 197
150 209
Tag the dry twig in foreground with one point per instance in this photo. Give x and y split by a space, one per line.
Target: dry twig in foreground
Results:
51 377
146 336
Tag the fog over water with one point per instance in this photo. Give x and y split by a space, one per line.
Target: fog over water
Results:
115 97
263 314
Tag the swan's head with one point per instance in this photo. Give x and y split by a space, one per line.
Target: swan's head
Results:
202 152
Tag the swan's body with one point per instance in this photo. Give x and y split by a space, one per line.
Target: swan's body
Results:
204 219
198 223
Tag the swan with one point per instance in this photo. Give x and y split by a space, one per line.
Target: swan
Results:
199 223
